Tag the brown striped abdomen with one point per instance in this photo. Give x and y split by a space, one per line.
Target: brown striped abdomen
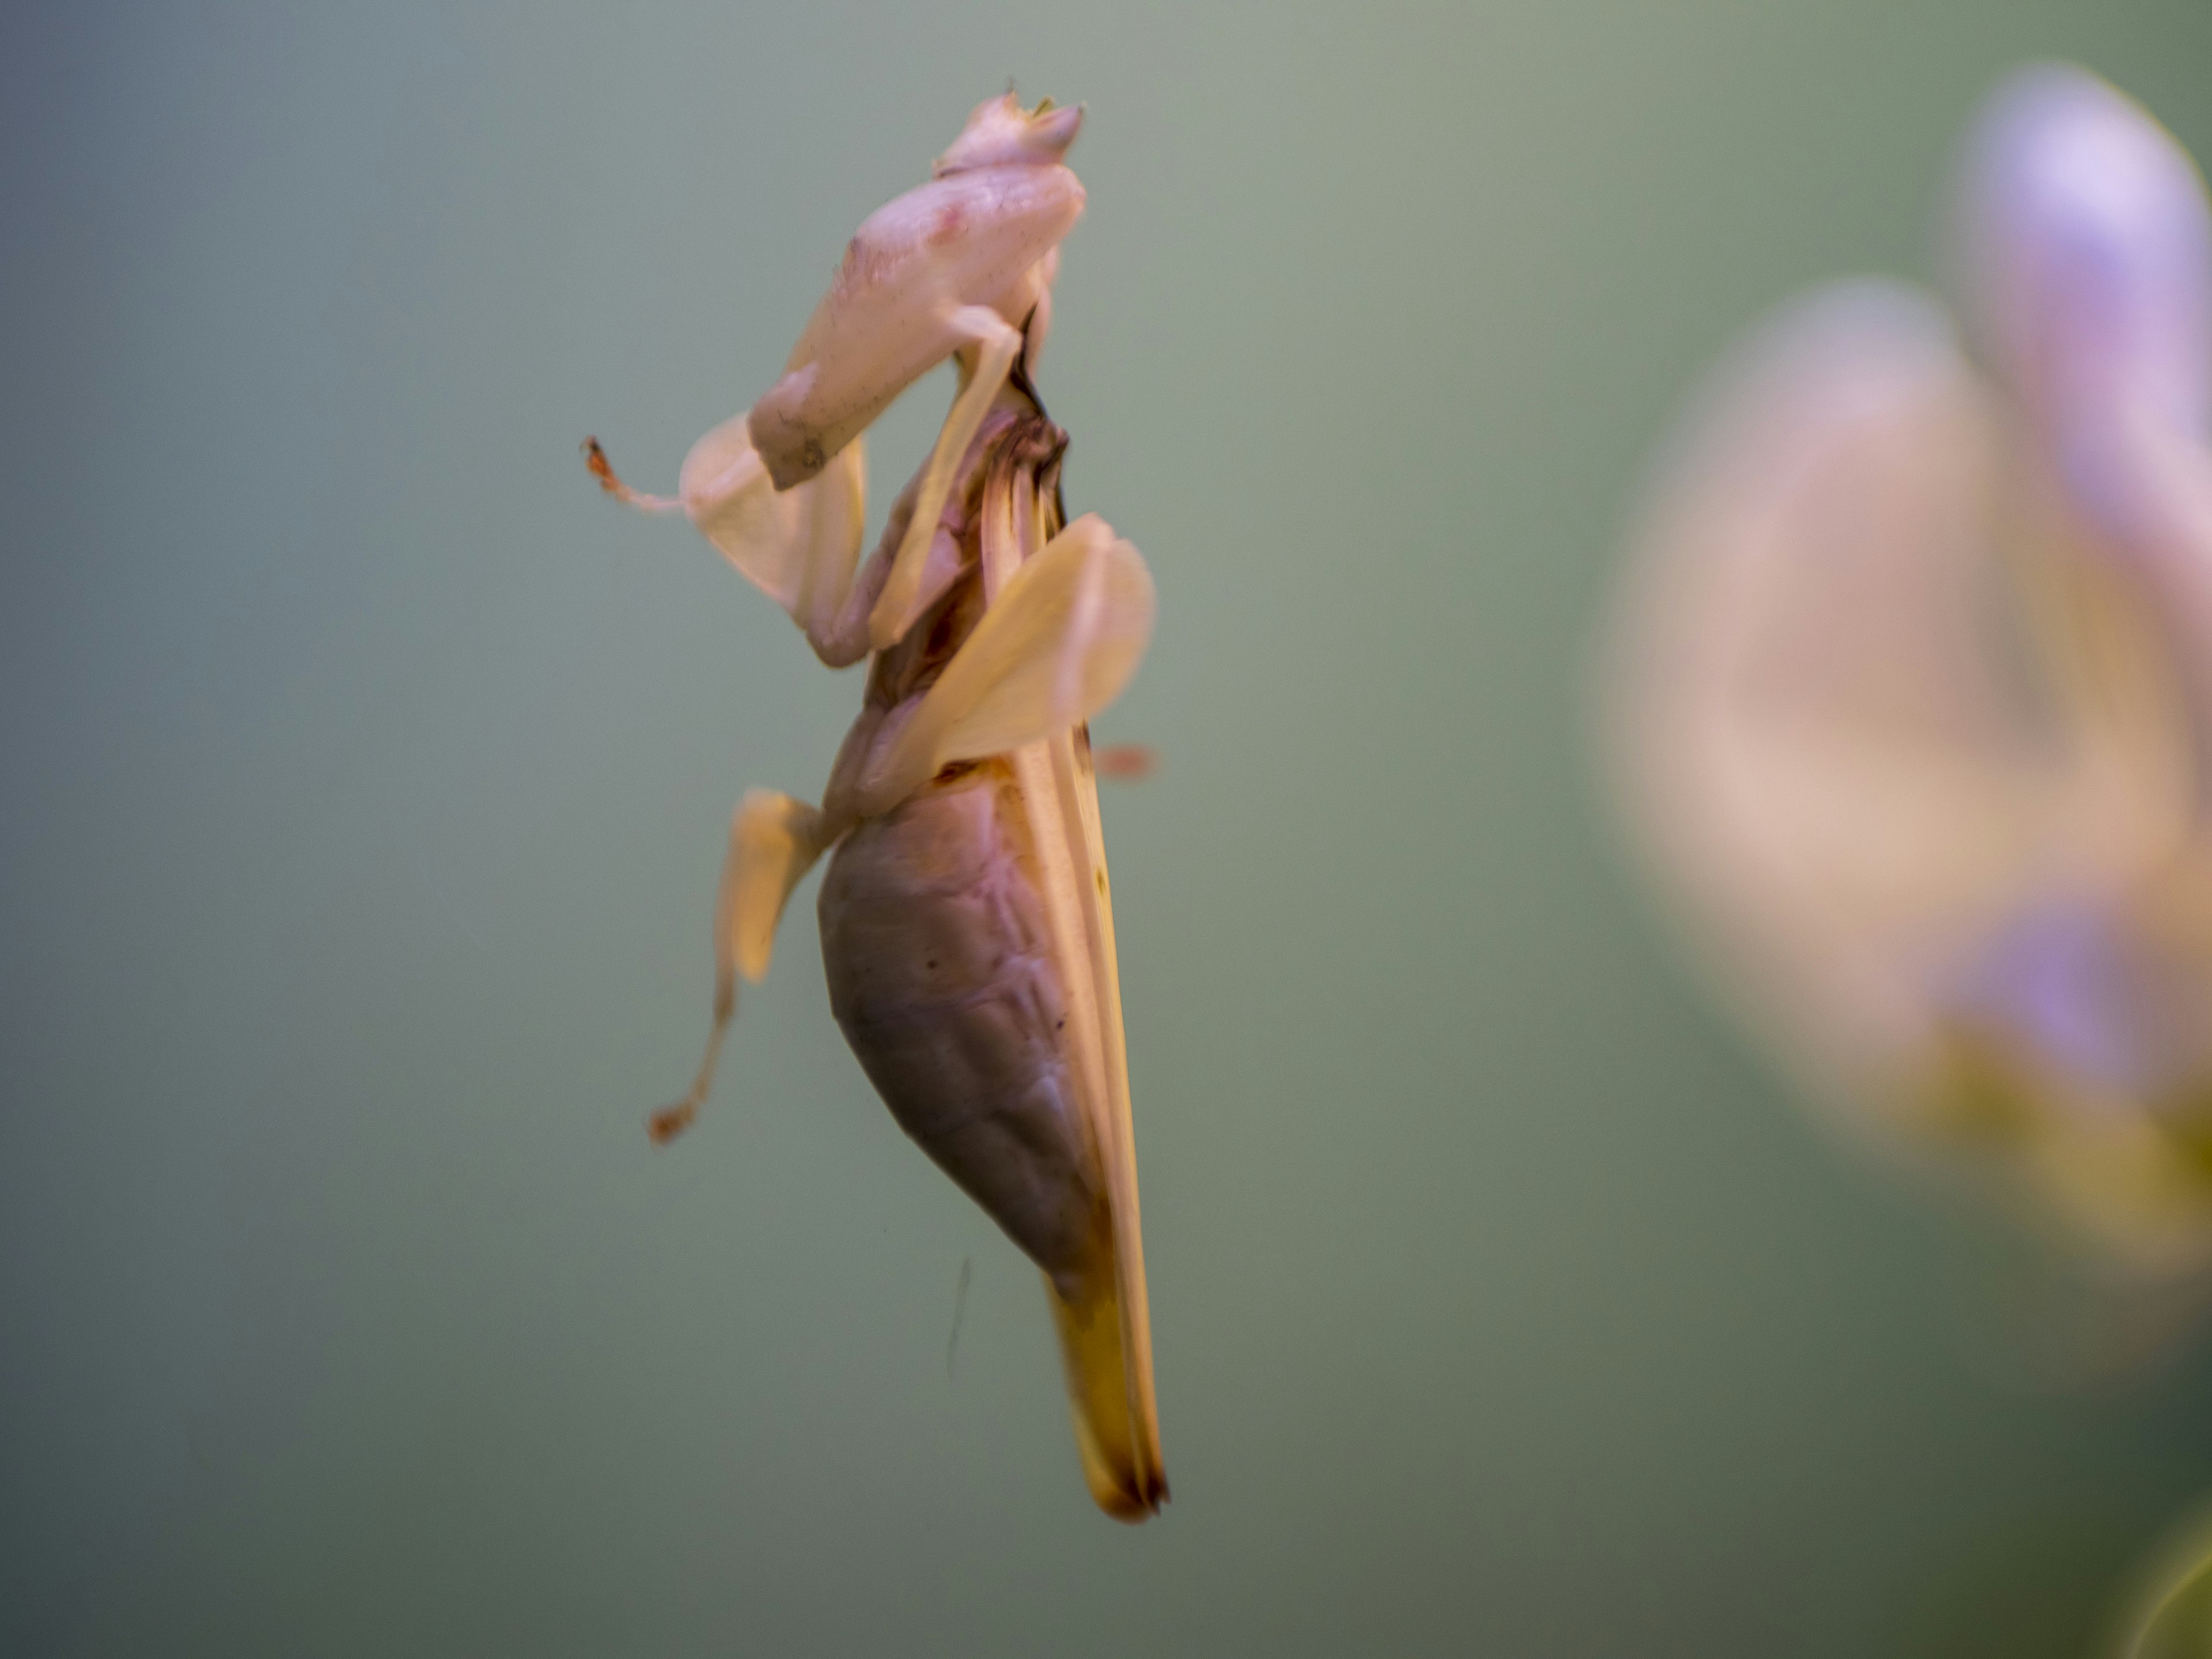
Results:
942 978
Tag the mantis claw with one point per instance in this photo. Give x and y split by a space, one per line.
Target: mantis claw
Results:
595 458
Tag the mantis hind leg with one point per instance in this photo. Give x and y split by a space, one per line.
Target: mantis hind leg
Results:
1058 645
773 842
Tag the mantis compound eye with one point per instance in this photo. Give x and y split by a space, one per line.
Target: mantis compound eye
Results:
2087 265
1001 133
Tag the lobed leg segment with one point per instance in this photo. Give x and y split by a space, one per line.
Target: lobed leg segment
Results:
1058 645
799 546
774 841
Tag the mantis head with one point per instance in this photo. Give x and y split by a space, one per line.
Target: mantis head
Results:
1000 133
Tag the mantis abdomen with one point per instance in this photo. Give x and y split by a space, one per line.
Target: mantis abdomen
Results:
942 976
945 975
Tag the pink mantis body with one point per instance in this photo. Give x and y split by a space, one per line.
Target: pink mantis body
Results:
966 917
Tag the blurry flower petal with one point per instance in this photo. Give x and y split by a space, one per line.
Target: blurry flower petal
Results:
1911 689
2087 255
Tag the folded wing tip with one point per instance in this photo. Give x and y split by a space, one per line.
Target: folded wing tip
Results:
1131 1508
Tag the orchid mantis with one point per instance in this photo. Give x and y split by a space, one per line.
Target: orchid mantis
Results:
966 918
1911 690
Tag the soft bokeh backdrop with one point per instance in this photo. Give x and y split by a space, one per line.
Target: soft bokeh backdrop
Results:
367 774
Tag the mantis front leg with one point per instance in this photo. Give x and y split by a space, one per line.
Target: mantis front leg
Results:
798 545
994 344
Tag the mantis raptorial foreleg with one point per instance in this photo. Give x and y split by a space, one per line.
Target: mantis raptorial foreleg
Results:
986 361
1040 318
773 842
962 267
844 639
799 546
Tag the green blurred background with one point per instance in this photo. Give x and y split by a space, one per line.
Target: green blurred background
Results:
366 778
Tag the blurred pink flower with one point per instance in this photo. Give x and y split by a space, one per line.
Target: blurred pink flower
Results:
1908 697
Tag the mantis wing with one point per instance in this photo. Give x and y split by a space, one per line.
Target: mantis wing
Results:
1105 1325
1106 1334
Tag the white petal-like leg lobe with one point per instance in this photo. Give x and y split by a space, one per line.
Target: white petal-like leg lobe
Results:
836 516
941 975
798 546
773 842
997 345
974 239
1057 645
